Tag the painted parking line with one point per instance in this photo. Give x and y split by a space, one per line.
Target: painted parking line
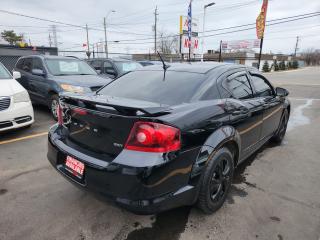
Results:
298 84
23 138
304 99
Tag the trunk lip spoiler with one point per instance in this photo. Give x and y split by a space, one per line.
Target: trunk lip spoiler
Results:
145 110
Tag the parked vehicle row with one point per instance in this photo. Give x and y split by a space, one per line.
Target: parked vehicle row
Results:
15 106
45 77
152 138
167 136
113 68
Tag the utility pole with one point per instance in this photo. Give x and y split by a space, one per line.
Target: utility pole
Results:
105 32
105 36
50 40
155 29
88 47
54 33
296 48
203 28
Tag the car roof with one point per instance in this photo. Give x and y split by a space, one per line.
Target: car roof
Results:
112 59
201 68
50 57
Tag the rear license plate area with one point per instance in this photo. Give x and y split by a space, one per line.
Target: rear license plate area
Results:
75 167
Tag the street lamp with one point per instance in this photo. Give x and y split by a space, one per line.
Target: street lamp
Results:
105 31
203 28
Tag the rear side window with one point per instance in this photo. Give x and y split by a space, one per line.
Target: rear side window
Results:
239 87
175 88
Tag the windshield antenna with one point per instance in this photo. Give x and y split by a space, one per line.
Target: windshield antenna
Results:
165 66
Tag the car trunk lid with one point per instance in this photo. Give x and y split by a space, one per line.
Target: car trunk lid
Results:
102 124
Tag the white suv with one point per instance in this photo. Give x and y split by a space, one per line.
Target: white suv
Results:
15 106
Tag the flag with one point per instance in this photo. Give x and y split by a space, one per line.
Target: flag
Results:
261 20
190 22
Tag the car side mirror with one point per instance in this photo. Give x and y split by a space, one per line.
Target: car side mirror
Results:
38 72
282 92
16 75
98 71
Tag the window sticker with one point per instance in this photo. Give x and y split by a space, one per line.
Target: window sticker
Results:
68 66
127 67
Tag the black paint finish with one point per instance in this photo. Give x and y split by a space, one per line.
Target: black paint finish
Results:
153 182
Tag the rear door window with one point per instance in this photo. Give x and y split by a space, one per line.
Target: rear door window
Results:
239 86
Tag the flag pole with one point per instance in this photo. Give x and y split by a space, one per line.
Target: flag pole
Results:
220 51
261 46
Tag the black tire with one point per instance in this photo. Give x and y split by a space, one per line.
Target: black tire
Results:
281 132
216 181
54 100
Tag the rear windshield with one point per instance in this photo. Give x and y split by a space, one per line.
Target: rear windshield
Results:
175 88
4 74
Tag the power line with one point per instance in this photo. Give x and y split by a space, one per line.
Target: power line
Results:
271 23
273 20
46 20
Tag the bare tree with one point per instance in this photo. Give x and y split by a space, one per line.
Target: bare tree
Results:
311 57
168 43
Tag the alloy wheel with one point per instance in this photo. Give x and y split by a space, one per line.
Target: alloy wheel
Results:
54 105
220 180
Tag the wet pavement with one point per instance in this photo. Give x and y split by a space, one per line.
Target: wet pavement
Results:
275 193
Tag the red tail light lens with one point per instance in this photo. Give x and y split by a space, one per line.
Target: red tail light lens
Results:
59 115
153 137
79 111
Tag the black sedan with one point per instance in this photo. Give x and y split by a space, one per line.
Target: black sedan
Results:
159 138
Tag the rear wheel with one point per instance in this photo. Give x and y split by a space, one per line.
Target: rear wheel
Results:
216 181
281 132
53 104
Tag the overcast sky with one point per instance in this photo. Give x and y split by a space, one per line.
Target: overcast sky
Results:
134 20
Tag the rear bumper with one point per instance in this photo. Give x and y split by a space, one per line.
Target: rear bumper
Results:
16 116
143 190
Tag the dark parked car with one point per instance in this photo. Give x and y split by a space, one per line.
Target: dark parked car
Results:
45 77
152 141
113 68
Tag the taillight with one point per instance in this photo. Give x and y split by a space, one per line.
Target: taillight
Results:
153 137
59 114
79 111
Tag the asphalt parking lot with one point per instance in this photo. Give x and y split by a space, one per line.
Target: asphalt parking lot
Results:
275 195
